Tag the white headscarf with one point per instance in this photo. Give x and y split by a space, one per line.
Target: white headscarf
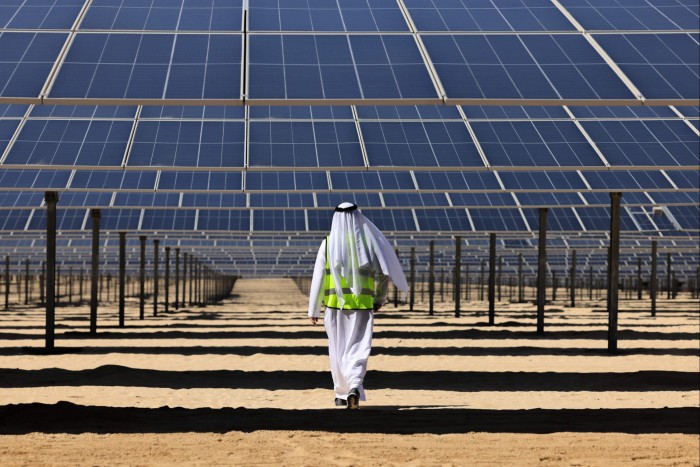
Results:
356 245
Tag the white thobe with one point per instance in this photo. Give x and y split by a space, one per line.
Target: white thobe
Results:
349 331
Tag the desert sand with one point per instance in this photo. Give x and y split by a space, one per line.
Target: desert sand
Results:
246 382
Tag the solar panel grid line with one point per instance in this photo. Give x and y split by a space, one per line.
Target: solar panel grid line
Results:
588 137
132 134
475 140
360 138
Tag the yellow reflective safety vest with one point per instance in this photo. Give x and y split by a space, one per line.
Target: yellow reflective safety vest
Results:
364 301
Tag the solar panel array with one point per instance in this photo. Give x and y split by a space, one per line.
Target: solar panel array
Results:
251 118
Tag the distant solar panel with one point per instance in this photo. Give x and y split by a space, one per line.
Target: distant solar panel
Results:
535 144
281 200
414 200
114 180
27 59
344 15
285 181
16 222
497 112
120 219
265 220
547 181
304 144
229 221
331 200
443 220
662 66
496 15
408 112
390 220
193 112
39 14
143 15
168 219
151 66
623 112
305 67
543 66
188 144
688 217
626 181
145 200
457 181
84 111
371 181
200 181
598 219
19 199
497 220
318 112
545 199
419 144
645 143
634 15
70 142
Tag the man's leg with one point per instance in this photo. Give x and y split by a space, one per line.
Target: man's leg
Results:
336 345
357 329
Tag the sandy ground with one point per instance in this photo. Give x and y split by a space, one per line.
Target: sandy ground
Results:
247 382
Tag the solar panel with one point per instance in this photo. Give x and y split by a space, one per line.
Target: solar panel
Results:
419 144
70 143
168 219
285 181
84 199
634 15
14 199
344 15
145 200
27 59
457 181
46 14
390 220
337 67
545 199
685 179
317 112
645 143
558 220
496 15
17 221
414 200
481 199
7 129
545 66
408 112
546 181
200 181
535 144
497 220
689 111
12 110
229 221
279 220
598 219
662 66
141 15
113 180
110 112
688 217
188 144
139 67
623 112
371 181
677 197
443 220
498 112
192 112
331 200
281 200
214 200
304 144
34 179
627 181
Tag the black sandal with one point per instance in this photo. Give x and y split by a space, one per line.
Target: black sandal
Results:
354 399
340 402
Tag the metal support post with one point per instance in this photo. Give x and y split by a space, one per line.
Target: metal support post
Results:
166 286
177 278
156 247
122 276
492 278
51 199
614 269
541 269
412 297
457 274
431 278
572 281
95 215
142 277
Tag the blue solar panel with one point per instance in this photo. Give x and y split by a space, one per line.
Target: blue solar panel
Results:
228 221
193 112
27 60
598 219
419 144
457 181
39 14
7 129
415 200
281 200
188 144
687 216
279 220
497 220
337 67
662 66
168 219
689 111
120 219
371 181
624 181
146 200
408 112
151 66
634 15
17 221
34 179
214 200
645 143
84 199
677 197
496 15
389 220
319 220
84 111
444 220
514 112
481 199
545 199
12 110
558 220
285 181
623 112
68 219
331 200
71 142
685 179
319 112
304 144
113 180
164 15
554 181
535 144
14 199
522 67
344 15
204 181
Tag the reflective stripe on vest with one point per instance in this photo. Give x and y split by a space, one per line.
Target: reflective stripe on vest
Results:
364 301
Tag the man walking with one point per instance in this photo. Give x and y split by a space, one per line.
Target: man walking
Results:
351 278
